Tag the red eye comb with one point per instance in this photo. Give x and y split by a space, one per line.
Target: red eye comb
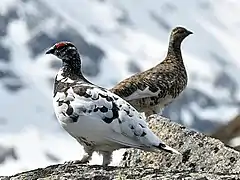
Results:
61 44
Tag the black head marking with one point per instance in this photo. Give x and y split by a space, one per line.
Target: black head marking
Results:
61 49
68 53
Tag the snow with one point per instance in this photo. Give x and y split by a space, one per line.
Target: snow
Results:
5 5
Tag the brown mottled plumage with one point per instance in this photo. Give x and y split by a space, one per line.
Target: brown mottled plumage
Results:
150 91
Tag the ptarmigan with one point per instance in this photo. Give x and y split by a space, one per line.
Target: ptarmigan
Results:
99 120
150 91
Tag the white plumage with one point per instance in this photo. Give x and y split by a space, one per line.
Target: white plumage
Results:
99 120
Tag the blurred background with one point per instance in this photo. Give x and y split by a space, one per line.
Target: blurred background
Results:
116 39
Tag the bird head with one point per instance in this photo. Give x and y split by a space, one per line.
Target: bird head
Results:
66 51
178 34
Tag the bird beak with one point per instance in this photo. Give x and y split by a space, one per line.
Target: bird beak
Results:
50 51
190 32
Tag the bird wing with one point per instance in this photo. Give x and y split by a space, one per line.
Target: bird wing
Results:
118 121
134 88
140 94
151 83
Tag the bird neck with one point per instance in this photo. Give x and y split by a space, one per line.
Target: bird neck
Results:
174 50
71 67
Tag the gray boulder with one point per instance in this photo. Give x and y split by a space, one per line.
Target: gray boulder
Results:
202 158
200 153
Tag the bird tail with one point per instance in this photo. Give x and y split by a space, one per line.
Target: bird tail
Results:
156 143
166 148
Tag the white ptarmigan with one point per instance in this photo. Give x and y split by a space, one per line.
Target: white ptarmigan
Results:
150 91
98 119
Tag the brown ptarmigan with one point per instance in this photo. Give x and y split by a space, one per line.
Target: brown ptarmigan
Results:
150 91
97 118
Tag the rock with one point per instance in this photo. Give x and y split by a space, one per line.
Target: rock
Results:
83 172
202 158
200 153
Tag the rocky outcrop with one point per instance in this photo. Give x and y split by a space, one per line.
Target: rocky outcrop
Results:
81 172
202 158
199 152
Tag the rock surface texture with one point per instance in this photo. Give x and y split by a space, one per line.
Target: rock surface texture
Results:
202 158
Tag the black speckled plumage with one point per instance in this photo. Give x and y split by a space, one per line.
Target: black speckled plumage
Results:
97 118
165 81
